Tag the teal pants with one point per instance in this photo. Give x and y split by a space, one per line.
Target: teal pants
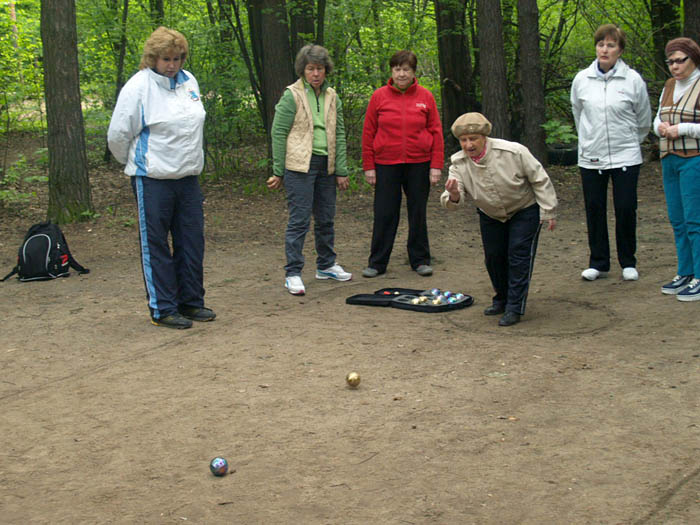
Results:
682 189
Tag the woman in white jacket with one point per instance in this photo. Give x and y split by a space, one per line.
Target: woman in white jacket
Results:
157 131
612 114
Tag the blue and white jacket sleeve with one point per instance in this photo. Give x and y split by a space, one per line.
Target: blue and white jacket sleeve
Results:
126 123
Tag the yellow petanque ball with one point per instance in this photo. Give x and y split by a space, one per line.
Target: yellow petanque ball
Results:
352 379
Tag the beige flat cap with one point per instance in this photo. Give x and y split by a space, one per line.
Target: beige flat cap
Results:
471 123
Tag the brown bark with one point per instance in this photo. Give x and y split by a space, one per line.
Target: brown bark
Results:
157 12
269 36
533 135
493 67
456 79
667 25
121 50
69 185
301 23
691 22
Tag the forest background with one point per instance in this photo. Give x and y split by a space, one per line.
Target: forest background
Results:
63 63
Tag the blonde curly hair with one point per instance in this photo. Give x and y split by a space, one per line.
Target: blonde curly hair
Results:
163 41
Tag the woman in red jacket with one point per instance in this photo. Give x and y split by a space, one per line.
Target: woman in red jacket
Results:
402 148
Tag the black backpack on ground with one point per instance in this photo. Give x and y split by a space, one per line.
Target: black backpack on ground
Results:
44 255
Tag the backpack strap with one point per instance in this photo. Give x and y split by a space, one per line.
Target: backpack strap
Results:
73 263
14 271
77 266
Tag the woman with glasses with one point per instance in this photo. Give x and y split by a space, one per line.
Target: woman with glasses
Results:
677 123
612 113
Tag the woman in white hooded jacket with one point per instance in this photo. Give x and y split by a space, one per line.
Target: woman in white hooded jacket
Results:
612 113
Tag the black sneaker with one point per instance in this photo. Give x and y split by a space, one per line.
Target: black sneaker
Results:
495 309
677 284
173 321
194 313
509 319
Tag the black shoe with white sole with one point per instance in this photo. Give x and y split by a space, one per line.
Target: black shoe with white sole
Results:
690 292
676 285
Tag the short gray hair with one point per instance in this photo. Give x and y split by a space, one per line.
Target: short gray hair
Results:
312 54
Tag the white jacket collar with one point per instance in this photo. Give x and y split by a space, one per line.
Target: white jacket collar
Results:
620 69
167 82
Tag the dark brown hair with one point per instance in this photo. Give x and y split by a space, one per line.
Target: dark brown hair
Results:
612 32
404 57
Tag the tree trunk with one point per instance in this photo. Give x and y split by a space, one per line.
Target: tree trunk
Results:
533 135
253 69
666 24
691 23
493 67
456 80
382 54
301 23
269 36
157 12
120 65
320 21
69 185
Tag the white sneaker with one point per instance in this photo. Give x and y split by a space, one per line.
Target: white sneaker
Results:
334 272
591 274
630 274
295 285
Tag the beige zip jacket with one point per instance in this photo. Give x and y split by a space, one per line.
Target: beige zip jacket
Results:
506 180
301 136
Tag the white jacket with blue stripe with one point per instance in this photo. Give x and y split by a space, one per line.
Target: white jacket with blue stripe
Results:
157 126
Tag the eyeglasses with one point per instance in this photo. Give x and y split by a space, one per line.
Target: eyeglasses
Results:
671 61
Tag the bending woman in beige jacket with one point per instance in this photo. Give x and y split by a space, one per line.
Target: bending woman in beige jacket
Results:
514 196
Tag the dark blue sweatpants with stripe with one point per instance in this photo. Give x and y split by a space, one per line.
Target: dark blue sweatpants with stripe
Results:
171 207
509 250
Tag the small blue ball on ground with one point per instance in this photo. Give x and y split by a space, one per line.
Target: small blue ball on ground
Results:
218 466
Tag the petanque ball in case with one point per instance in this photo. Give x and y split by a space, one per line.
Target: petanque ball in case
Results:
218 466
352 379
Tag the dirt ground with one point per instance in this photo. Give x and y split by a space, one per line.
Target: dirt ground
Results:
588 411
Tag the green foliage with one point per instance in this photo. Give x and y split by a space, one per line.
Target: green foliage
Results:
559 132
42 158
20 50
356 177
88 215
115 219
14 180
361 35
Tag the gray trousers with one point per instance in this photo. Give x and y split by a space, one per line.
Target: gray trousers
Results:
310 193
